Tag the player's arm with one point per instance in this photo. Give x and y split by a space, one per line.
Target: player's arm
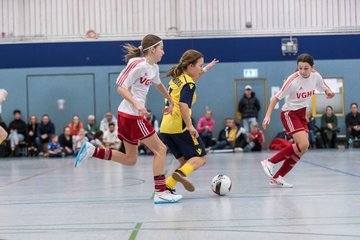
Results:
271 107
161 88
209 66
185 102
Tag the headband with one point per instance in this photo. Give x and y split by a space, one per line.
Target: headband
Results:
151 46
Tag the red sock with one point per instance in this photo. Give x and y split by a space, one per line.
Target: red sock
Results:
160 183
287 166
102 153
286 152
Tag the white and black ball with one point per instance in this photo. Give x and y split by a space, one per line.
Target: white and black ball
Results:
221 184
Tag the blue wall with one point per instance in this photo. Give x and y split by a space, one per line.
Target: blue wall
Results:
88 71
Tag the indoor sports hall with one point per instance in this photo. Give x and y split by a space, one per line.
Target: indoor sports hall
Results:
60 65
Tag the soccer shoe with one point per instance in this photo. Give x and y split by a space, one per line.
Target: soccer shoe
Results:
167 196
180 177
280 182
86 151
268 167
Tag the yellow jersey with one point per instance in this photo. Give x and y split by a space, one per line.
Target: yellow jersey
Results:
181 89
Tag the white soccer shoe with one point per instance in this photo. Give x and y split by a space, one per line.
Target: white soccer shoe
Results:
268 167
166 197
86 151
280 182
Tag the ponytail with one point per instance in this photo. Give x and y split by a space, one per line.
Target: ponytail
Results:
131 51
175 71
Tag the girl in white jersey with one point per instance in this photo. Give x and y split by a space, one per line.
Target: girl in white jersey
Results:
133 85
3 133
297 90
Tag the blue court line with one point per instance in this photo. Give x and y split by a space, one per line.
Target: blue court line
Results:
331 169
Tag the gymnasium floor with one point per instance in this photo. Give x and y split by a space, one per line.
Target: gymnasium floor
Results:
48 199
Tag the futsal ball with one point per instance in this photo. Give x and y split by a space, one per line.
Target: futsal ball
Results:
221 184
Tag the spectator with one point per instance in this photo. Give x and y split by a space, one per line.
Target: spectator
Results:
256 139
329 127
231 136
91 127
75 125
32 131
249 107
3 138
78 140
314 132
111 139
45 129
152 119
98 140
17 131
104 124
352 121
205 128
54 148
66 142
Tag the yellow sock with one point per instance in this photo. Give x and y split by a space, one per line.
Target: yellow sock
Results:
171 182
187 169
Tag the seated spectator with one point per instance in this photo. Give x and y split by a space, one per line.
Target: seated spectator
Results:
153 121
45 129
3 138
104 124
352 121
98 140
256 139
111 139
75 125
329 128
17 131
91 127
78 140
205 128
232 136
66 142
314 132
54 148
143 149
32 131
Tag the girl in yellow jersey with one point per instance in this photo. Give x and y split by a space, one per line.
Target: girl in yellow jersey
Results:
177 129
3 133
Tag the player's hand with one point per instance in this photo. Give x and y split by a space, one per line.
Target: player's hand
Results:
211 64
329 94
266 122
193 132
170 108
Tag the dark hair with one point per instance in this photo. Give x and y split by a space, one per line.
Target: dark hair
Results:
329 107
52 136
98 134
111 124
189 57
305 58
354 103
132 51
16 111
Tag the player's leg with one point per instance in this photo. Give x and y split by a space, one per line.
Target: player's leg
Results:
3 134
170 181
158 148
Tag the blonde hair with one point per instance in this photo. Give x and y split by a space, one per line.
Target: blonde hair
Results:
132 51
189 57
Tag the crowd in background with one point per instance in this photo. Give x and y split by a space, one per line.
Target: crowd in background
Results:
39 139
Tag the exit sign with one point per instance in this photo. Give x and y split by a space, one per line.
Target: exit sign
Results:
251 73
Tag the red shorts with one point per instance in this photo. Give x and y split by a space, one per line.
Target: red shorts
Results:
132 129
294 121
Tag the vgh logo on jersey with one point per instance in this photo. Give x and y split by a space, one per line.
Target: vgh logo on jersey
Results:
145 81
305 94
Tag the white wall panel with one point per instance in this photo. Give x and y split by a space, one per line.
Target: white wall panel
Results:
53 19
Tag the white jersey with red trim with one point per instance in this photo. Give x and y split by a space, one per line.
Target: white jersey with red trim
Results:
137 77
297 90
